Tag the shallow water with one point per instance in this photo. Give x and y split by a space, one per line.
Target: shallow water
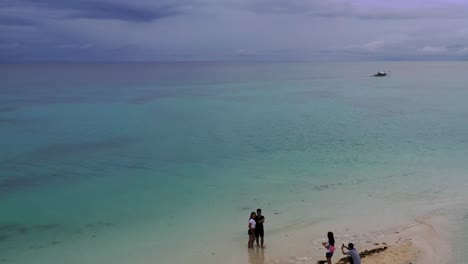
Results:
162 163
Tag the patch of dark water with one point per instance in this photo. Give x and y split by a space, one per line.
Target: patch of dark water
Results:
10 121
25 169
47 235
50 99
19 182
4 109
45 227
4 237
61 150
325 187
15 230
309 96
157 95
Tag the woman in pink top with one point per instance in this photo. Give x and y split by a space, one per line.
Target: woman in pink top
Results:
330 246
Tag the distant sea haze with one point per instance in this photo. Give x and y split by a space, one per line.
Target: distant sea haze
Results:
163 162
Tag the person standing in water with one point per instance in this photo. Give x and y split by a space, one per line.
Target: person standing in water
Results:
353 254
259 232
251 232
330 246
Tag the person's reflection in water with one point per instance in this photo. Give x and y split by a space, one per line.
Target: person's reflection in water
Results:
257 255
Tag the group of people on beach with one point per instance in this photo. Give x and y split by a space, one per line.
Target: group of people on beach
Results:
352 252
256 233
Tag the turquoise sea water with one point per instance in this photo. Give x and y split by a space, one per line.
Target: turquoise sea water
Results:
162 163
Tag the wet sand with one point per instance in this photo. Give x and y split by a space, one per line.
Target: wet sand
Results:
424 241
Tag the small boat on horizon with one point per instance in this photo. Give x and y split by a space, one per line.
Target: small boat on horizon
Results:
380 74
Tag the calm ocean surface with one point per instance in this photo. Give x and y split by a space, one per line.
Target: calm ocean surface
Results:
162 163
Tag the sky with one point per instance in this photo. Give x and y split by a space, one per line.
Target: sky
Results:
232 30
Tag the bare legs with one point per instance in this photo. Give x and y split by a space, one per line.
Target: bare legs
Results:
251 240
261 239
329 260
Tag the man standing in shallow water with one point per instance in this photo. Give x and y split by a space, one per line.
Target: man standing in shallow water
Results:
259 232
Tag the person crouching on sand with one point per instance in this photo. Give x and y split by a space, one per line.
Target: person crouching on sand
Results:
251 232
330 246
352 253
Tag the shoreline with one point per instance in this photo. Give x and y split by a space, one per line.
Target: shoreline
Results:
423 241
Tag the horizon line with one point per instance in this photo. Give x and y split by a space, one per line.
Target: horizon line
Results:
225 61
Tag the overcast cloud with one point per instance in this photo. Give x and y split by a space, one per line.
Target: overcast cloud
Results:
194 30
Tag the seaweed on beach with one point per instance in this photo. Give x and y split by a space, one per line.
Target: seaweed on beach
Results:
363 254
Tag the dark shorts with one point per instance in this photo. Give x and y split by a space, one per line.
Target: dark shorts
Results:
259 233
328 254
250 232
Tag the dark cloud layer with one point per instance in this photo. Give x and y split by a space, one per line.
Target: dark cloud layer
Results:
119 10
178 30
122 12
15 21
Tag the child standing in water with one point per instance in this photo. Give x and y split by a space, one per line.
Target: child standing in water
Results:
330 246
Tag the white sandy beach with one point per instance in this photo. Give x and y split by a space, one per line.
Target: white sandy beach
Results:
424 241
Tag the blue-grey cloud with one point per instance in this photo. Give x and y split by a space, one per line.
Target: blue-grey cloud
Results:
122 12
148 30
350 9
95 9
15 21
